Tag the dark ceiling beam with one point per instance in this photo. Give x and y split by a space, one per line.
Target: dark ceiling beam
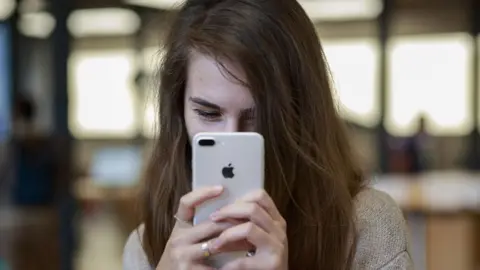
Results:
347 29
399 5
424 21
411 17
87 4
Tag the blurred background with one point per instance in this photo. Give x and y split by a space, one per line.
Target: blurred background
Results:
77 118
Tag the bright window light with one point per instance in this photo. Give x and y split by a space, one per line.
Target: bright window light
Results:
6 8
36 24
429 75
161 4
336 10
102 96
354 68
103 22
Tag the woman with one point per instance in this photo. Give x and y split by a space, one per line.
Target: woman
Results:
257 65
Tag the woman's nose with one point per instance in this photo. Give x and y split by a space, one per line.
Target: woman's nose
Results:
232 125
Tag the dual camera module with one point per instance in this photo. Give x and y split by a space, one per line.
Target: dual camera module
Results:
206 142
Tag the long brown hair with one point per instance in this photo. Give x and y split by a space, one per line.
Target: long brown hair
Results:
310 172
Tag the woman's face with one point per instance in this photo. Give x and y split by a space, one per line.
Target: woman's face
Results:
215 102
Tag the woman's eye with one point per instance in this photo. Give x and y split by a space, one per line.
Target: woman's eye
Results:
209 115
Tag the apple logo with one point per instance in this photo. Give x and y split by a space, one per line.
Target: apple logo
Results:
227 172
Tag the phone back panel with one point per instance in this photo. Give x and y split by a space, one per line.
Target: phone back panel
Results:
236 162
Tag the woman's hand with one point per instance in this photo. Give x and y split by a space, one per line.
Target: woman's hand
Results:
265 229
186 248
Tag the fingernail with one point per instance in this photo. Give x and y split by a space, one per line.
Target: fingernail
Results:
218 188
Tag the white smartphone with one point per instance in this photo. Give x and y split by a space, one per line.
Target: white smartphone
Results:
233 160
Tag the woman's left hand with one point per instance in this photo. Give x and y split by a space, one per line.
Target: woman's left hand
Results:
264 228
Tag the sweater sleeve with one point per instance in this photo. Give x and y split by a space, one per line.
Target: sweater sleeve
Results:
382 232
134 257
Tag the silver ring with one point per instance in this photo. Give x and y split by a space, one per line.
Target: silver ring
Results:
206 250
181 220
251 253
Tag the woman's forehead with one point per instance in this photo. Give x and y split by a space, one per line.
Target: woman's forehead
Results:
217 82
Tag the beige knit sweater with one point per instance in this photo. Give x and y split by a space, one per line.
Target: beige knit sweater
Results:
382 231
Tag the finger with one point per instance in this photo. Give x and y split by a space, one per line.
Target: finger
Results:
188 202
205 230
201 267
196 252
242 263
222 226
242 245
205 249
246 210
249 232
265 201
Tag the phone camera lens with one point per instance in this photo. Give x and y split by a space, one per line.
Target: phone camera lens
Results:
206 142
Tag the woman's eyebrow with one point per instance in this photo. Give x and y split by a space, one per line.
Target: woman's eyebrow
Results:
204 103
249 111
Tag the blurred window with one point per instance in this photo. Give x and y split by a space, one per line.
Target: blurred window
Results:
102 94
429 76
354 68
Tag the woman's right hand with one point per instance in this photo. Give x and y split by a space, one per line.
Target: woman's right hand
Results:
184 248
